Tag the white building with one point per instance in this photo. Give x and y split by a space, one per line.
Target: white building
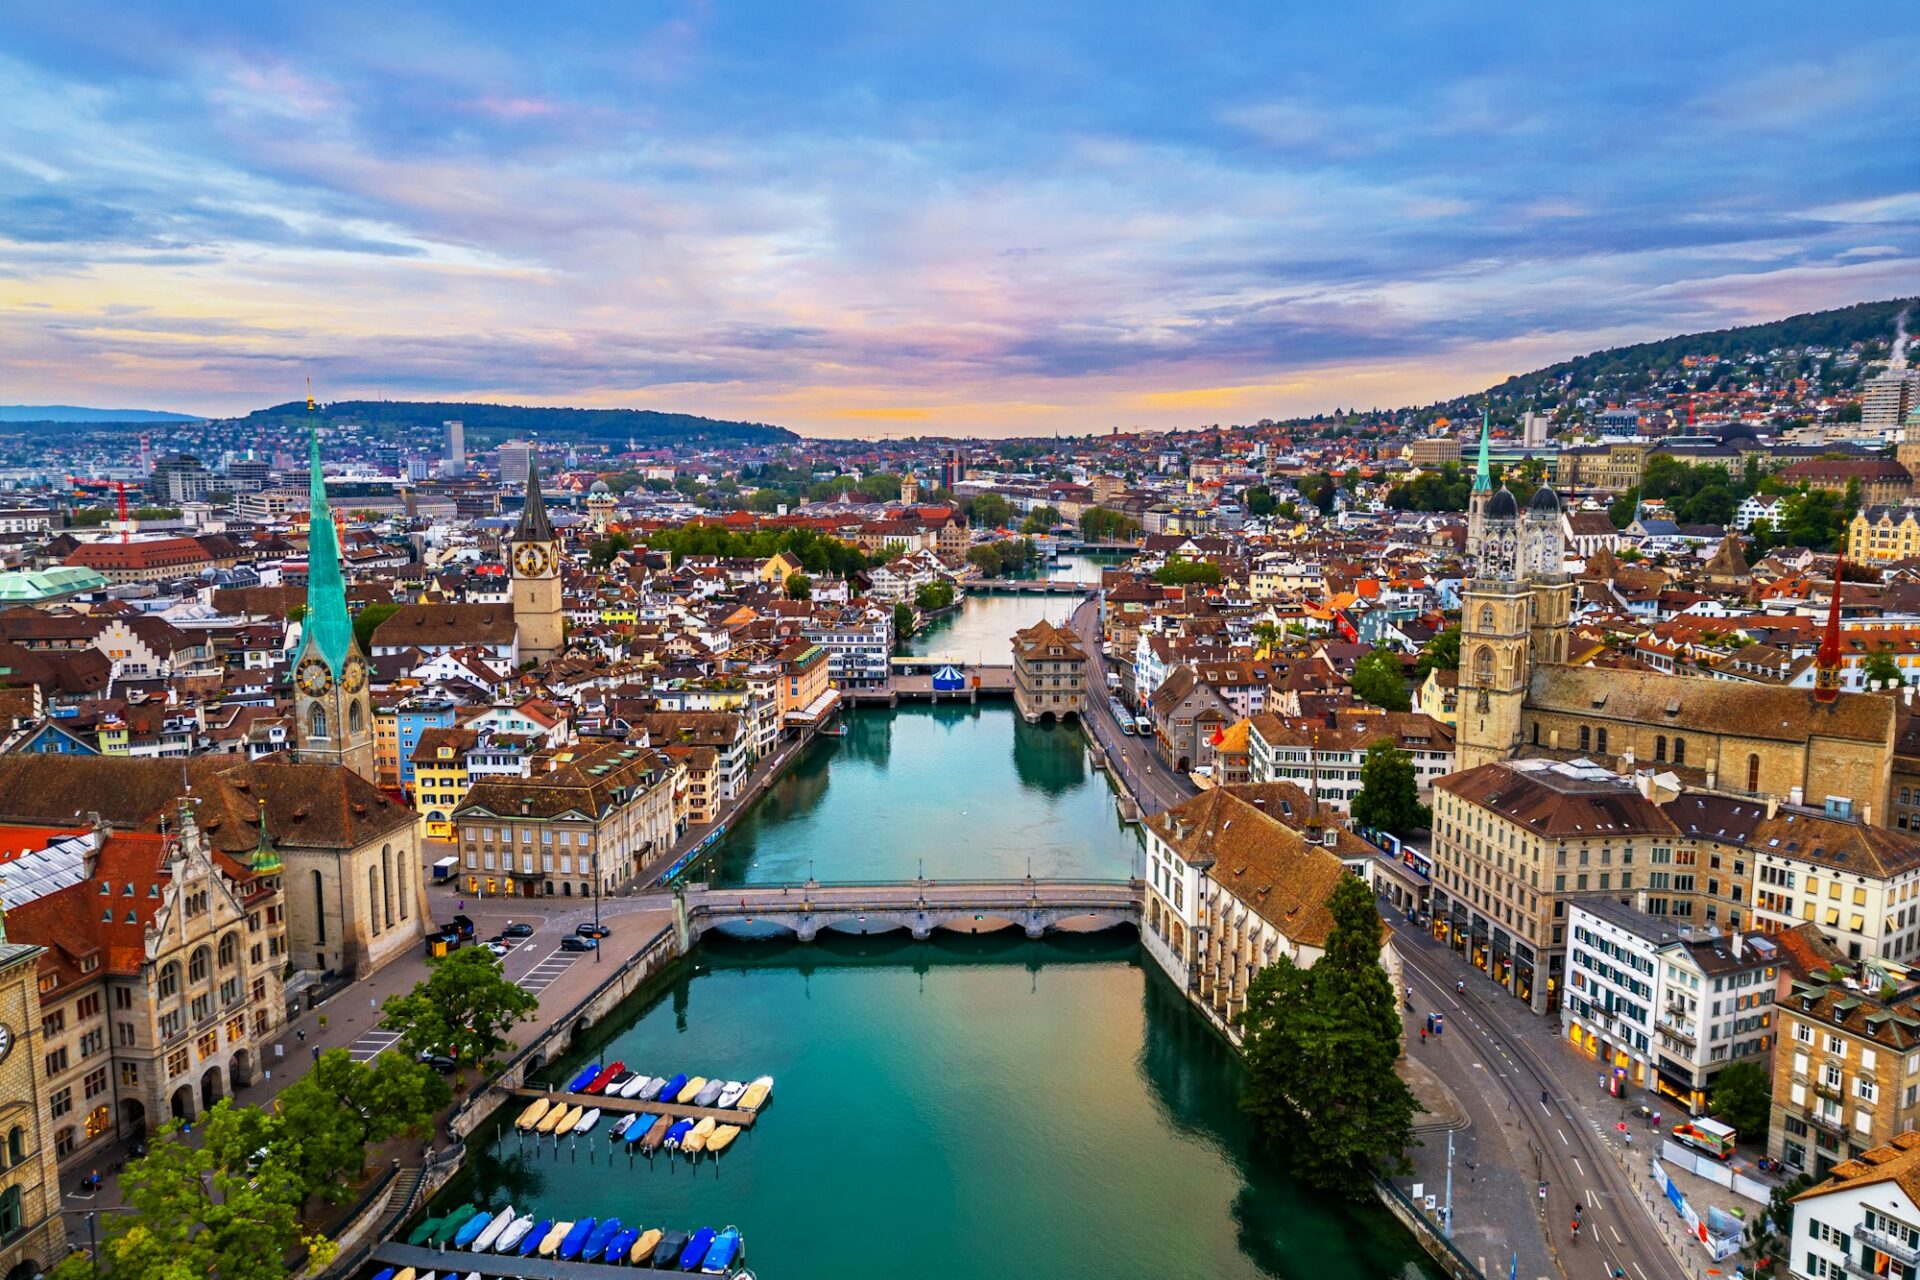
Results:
1862 1221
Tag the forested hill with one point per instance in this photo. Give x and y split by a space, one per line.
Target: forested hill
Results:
490 423
1634 368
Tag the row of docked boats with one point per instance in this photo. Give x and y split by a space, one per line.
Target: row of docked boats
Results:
615 1081
607 1241
642 1131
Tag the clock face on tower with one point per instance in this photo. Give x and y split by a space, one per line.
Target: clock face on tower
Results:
530 559
312 676
354 677
6 1041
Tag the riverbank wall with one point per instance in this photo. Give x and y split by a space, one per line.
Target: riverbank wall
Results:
1436 1245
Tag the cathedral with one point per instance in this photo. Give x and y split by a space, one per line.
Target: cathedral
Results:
333 710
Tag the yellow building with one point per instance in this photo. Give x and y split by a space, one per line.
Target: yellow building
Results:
1881 534
386 746
440 778
779 567
32 1234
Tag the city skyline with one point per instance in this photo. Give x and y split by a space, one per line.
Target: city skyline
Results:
857 221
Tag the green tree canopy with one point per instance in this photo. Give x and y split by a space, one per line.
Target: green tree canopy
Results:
1881 668
1040 520
816 552
799 586
996 559
1743 1097
990 511
1389 796
1260 500
1378 679
369 618
902 621
1180 572
1097 524
464 1009
929 596
1321 1045
327 1119
1442 653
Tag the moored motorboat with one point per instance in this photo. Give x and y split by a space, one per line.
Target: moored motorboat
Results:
405 1273
602 1236
651 1089
696 1251
576 1239
583 1078
550 1243
623 1124
721 1253
667 1252
491 1232
621 1245
531 1242
615 1085
599 1082
420 1234
452 1223
680 1129
656 1134
635 1083
516 1232
473 1275
722 1138
690 1090
385 1273
670 1091
470 1229
640 1252
531 1116
642 1121
757 1094
586 1122
695 1140
730 1095
551 1121
710 1093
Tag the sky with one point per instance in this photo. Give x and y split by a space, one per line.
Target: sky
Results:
917 218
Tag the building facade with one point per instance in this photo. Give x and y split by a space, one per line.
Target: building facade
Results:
1049 673
540 627
333 709
32 1232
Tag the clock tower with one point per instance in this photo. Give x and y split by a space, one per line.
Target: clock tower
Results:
537 621
333 711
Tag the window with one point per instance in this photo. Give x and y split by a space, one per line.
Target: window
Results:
57 1062
1679 750
1600 741
61 1103
170 974
200 965
317 723
1753 773
95 1083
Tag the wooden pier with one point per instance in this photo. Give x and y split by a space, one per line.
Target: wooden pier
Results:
452 1262
591 1100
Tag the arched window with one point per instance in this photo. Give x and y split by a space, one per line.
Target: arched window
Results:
170 979
1536 733
1600 741
1679 750
200 965
319 908
1660 747
353 717
229 949
16 1145
1483 665
386 882
1753 773
1486 617
373 896
317 723
1586 738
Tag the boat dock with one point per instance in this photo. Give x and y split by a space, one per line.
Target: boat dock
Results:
451 1262
619 1105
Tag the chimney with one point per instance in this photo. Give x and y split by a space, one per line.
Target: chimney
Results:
1773 804
1737 944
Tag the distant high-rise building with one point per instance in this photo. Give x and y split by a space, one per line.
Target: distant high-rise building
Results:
951 472
178 478
1887 399
1534 428
514 457
456 447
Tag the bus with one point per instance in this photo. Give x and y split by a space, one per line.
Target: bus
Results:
1710 1136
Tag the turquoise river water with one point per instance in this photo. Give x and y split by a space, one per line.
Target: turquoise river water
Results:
988 1106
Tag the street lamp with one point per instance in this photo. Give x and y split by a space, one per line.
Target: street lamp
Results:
596 902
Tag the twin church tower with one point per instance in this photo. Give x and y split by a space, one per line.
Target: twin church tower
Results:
1516 608
333 707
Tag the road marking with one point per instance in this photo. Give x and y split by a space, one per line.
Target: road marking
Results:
1643 1275
1616 1234
1576 1167
372 1045
1563 1138
1592 1203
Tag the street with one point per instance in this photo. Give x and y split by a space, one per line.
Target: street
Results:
1501 1061
1152 784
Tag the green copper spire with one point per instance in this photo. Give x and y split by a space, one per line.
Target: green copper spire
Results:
266 859
1483 473
329 629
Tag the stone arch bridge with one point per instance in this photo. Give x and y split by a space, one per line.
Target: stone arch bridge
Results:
921 906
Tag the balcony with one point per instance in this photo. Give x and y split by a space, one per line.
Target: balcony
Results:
1832 1124
1678 1034
1894 1247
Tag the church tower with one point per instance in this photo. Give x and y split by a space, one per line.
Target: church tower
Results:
1495 641
537 618
333 711
1543 544
1478 499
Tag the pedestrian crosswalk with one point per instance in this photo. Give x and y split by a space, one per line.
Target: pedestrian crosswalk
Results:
547 972
372 1045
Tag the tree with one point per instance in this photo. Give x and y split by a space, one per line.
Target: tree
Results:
1321 1045
600 554
991 511
1377 679
367 620
1882 669
1389 798
1768 1233
1743 1097
214 1209
328 1118
1180 572
1097 524
931 596
902 621
1266 636
463 1009
799 586
1260 501
1442 653
1040 520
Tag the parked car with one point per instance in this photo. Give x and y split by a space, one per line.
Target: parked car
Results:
574 942
592 930
498 948
439 1062
519 930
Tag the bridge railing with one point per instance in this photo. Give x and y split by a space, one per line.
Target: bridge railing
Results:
939 882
